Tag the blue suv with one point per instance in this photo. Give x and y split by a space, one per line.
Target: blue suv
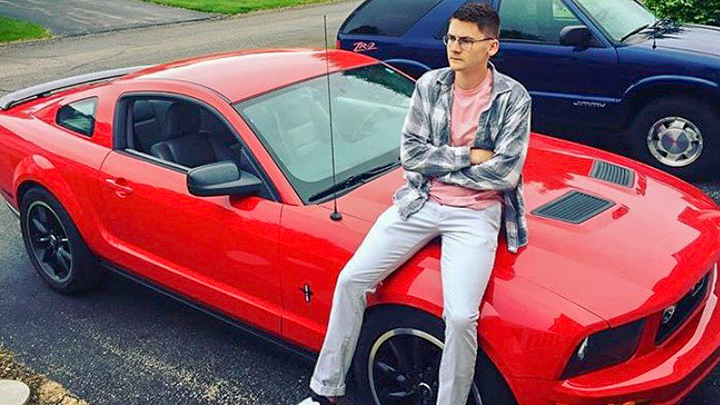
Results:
605 68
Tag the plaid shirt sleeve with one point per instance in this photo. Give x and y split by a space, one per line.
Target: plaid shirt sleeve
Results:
417 153
503 170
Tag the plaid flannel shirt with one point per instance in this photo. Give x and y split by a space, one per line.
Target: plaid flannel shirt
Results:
425 152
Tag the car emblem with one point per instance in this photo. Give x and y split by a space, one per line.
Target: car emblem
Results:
668 314
364 46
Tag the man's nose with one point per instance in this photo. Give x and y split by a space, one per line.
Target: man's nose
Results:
455 46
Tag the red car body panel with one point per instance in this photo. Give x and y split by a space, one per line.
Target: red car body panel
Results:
250 257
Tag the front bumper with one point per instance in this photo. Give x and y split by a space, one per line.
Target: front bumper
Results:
663 376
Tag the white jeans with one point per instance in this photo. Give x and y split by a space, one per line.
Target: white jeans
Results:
469 243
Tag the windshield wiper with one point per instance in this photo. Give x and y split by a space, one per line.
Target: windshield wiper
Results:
659 25
353 180
635 31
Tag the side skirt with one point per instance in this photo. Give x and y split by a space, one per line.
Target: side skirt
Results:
251 330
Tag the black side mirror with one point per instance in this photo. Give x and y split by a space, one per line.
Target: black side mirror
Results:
575 35
221 178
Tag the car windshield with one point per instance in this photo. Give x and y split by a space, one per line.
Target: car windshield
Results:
618 17
369 105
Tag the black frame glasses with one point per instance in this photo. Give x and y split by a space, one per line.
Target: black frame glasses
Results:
466 43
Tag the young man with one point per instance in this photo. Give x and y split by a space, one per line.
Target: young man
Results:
463 147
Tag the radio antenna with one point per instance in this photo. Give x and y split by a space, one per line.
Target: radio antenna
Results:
335 216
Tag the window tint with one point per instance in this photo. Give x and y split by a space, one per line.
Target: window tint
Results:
535 20
442 30
78 116
386 17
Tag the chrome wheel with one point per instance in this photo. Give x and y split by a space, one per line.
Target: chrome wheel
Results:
403 369
49 242
675 141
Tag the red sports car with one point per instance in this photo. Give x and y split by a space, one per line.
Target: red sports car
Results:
211 179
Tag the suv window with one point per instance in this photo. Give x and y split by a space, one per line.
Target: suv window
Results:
78 116
386 17
535 20
443 28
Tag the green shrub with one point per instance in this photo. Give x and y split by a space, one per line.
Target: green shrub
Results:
696 11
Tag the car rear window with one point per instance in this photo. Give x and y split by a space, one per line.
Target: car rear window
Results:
78 116
386 17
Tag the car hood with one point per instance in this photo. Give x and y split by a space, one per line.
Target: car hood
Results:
690 37
640 256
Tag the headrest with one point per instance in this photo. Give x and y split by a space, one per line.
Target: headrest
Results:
143 110
181 119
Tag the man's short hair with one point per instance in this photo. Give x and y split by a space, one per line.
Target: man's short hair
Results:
487 20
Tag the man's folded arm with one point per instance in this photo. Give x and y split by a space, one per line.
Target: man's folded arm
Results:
503 170
416 151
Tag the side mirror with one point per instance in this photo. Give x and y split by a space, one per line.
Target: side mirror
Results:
221 178
575 35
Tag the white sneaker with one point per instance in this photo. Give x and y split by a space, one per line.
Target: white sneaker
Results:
316 401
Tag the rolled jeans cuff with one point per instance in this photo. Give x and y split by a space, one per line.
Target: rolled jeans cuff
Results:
326 391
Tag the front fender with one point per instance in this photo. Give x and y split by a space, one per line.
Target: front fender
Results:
526 330
649 88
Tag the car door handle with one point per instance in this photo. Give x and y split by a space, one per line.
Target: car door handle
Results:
120 186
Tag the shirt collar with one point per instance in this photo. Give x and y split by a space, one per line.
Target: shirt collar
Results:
500 84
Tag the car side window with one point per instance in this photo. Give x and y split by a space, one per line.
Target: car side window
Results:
386 17
78 116
535 20
180 134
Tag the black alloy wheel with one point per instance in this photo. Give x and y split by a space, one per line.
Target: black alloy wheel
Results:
397 362
56 249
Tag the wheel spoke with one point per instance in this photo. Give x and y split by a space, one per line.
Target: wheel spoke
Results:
62 262
46 255
390 372
401 358
679 124
417 354
39 226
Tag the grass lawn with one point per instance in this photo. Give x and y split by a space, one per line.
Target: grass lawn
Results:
14 30
232 6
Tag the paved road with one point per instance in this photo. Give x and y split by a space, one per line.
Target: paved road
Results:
124 344
78 17
26 64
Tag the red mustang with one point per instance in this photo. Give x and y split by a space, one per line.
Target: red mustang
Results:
211 179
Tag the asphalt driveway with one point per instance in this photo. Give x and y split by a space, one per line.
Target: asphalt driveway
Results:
78 17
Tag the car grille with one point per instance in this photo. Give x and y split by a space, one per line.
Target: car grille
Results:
674 316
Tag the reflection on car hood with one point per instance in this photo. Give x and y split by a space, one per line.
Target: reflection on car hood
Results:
640 256
694 38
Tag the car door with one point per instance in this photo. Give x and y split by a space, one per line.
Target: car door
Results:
570 86
221 251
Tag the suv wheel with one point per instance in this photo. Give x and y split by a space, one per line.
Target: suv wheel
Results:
678 135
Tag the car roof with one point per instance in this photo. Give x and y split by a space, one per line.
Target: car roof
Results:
243 74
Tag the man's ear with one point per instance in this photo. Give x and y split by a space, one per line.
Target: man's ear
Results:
494 48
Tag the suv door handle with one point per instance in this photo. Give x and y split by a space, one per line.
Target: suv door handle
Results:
120 186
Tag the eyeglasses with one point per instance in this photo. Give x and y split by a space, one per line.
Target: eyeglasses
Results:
466 43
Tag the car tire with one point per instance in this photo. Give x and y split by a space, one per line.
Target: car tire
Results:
397 330
692 122
56 249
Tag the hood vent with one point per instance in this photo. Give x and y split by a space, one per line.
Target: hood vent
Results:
574 207
613 173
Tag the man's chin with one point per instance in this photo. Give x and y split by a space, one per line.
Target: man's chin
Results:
456 65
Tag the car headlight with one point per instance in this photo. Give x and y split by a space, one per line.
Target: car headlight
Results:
605 348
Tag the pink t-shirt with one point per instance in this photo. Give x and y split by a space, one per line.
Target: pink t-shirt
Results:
466 109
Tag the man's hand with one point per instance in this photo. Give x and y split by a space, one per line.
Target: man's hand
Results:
478 156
